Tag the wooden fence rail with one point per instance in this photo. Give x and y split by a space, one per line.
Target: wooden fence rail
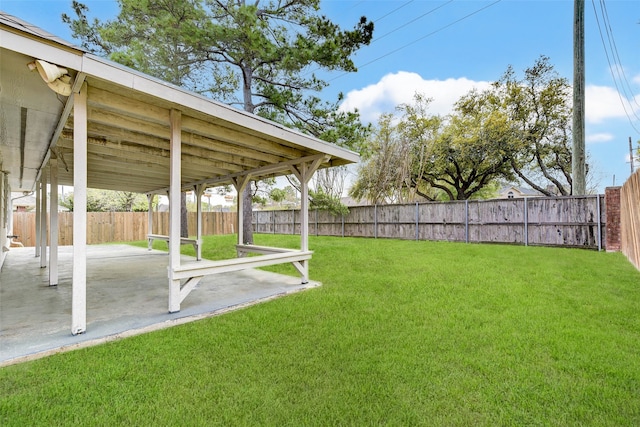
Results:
559 221
630 219
105 227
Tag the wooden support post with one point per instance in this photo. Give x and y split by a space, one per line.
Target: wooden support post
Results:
43 220
304 208
38 194
53 240
175 174
240 184
79 286
198 189
304 172
150 220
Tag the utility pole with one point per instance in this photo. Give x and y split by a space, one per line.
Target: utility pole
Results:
578 169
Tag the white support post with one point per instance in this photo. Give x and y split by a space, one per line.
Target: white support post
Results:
174 208
53 245
43 220
304 208
150 219
198 189
6 212
37 193
240 184
304 172
79 286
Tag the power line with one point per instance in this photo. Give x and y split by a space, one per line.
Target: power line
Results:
410 22
420 38
393 11
615 80
612 43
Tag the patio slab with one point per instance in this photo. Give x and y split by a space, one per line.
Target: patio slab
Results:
127 294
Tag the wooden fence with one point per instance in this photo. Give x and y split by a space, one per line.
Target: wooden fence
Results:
630 219
105 227
560 221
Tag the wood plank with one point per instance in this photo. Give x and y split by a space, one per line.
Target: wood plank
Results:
205 268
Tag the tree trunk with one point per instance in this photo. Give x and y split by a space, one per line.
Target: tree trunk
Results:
184 224
247 228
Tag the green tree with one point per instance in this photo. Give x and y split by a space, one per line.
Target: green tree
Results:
539 106
110 201
286 195
381 178
258 55
456 157
472 149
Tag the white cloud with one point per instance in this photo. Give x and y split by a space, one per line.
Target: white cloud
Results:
604 102
636 79
399 88
596 138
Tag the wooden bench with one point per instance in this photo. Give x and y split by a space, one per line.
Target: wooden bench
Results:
193 272
183 241
205 268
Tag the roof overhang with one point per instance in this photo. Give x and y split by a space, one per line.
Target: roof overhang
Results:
128 125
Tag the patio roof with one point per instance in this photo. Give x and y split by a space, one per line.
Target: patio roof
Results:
128 124
72 118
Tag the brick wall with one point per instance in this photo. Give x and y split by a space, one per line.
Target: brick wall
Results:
612 206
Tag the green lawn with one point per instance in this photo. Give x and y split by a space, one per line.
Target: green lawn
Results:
401 333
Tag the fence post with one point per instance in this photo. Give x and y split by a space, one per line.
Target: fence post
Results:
375 221
466 220
598 213
342 225
316 222
255 227
417 221
526 222
274 222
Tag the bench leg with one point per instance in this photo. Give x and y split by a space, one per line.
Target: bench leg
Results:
303 269
174 295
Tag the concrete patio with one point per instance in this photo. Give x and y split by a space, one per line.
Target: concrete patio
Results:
127 292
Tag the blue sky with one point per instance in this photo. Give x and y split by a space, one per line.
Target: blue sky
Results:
444 48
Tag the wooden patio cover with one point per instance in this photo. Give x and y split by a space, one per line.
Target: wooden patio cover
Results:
123 130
